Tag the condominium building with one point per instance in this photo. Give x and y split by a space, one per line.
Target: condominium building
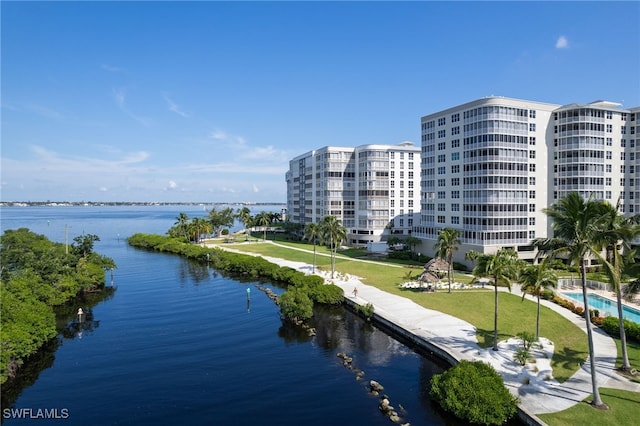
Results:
374 190
490 167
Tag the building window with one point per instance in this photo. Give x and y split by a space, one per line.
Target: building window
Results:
532 167
455 181
532 127
455 156
442 121
455 130
609 115
442 170
441 207
532 208
532 113
442 146
609 142
442 133
455 194
441 195
532 154
455 207
609 128
607 195
532 180
532 194
455 220
442 158
608 155
455 143
532 235
440 219
441 182
455 168
455 117
607 181
532 140
607 168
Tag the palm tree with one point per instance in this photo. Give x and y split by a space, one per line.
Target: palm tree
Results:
311 233
501 267
333 234
534 279
199 226
448 242
244 216
576 225
182 222
263 219
618 232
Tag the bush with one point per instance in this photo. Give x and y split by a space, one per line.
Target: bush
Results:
612 327
329 294
295 304
474 392
366 311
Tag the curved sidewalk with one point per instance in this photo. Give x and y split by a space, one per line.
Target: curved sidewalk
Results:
458 338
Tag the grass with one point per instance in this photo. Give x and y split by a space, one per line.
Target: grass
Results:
515 315
624 409
633 352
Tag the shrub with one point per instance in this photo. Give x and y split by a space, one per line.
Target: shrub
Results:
474 392
527 339
329 294
522 356
295 304
366 310
612 327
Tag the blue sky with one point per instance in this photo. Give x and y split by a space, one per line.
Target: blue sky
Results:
208 101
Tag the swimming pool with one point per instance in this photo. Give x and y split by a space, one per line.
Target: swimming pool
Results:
605 305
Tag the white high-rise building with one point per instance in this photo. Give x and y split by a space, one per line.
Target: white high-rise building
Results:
374 190
490 167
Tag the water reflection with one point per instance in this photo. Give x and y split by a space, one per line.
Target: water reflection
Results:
68 327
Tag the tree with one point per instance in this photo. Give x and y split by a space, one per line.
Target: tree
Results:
333 234
199 226
182 224
244 216
501 268
84 244
533 280
220 219
448 242
295 304
617 234
411 242
311 233
263 219
576 226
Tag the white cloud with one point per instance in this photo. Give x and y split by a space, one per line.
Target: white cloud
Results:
120 96
172 185
562 43
173 107
255 188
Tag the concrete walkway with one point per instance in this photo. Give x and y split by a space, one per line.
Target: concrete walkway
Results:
458 338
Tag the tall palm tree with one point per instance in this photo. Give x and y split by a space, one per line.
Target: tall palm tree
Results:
501 268
311 233
199 226
576 226
182 223
618 233
333 234
263 219
448 242
534 279
244 216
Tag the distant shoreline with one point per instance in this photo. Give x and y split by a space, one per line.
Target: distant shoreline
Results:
129 203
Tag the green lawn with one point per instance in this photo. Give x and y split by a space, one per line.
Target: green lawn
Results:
624 409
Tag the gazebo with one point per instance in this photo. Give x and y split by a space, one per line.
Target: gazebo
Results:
434 270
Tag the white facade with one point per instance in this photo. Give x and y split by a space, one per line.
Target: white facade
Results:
490 167
372 189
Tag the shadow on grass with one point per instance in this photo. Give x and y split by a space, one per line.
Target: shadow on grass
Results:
485 337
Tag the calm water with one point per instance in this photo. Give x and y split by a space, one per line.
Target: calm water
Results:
178 343
605 305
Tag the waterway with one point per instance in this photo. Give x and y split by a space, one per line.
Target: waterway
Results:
178 343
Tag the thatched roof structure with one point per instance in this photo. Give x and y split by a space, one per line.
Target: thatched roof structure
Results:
434 270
